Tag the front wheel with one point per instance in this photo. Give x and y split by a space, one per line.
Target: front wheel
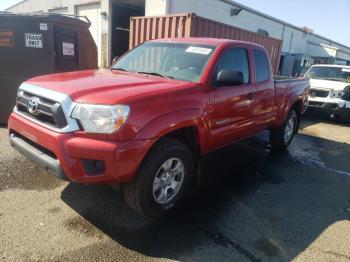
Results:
345 119
281 137
162 179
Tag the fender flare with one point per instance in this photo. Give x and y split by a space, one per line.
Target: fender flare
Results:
172 121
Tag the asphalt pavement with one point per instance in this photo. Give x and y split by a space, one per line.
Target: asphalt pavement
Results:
253 206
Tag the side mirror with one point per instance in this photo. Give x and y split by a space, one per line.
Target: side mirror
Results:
115 59
228 77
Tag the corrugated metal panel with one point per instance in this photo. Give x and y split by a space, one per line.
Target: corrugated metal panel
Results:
148 28
187 25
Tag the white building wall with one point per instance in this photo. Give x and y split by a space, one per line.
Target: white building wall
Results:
321 50
294 41
156 7
221 11
63 10
343 55
318 40
45 6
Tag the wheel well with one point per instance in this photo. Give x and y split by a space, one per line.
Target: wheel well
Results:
297 108
189 136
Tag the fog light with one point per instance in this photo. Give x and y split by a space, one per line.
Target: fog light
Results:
93 167
100 165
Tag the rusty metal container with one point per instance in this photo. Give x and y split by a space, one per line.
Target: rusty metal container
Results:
33 45
190 25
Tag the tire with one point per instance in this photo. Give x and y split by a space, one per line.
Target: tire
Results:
141 194
345 119
281 137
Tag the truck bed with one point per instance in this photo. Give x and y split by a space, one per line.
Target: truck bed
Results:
285 89
287 78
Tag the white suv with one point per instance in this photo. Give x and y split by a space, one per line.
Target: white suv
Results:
330 90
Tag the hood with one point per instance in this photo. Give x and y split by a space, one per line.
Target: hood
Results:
328 84
105 86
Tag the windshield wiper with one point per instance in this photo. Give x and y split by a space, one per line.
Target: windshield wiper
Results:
155 74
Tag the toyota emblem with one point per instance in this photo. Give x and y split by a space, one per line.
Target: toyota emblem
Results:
33 105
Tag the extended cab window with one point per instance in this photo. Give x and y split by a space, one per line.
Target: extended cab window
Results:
235 59
262 68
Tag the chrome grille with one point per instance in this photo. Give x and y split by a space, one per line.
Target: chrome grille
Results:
46 111
318 93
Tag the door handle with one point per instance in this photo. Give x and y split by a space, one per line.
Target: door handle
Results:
250 95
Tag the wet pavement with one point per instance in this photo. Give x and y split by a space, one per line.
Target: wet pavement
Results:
253 206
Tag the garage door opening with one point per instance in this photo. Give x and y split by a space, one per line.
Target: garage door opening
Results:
121 13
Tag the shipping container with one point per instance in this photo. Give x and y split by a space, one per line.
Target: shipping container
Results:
145 28
33 45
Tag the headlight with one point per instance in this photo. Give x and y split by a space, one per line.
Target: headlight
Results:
336 94
101 118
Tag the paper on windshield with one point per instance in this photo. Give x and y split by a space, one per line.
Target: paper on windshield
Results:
346 70
199 50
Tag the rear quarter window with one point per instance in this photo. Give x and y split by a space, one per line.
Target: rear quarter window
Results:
262 68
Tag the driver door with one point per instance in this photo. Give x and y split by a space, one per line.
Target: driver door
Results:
232 106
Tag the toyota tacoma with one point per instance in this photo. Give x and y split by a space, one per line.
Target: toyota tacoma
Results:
146 122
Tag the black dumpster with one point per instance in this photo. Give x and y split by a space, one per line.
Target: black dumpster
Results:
32 45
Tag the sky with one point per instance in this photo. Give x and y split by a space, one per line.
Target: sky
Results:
7 3
327 18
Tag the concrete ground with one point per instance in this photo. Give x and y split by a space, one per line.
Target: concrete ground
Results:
255 206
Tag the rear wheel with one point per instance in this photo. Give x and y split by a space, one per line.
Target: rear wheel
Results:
162 179
281 137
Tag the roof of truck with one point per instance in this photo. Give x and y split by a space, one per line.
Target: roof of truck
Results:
205 41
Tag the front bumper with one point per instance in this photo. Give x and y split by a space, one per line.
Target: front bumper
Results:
329 105
66 154
36 155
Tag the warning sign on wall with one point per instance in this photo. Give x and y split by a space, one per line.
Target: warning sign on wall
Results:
68 49
43 26
33 40
6 39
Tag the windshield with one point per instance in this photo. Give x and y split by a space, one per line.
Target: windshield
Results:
329 73
170 60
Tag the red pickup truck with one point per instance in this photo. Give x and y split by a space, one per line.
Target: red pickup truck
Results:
146 122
